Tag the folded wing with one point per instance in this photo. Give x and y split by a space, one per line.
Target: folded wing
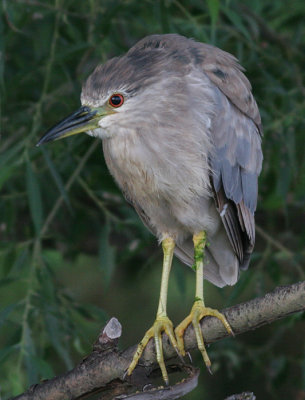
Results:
237 160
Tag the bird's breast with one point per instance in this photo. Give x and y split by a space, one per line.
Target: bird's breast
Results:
169 190
155 170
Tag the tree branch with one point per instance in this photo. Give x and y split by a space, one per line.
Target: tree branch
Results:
104 368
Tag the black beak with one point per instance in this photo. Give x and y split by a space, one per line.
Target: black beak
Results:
82 120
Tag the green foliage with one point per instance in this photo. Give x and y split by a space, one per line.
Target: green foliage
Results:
72 247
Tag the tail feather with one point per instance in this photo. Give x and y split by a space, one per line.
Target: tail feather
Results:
221 266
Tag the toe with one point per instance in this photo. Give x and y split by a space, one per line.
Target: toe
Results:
215 313
161 324
179 333
198 312
159 353
199 338
141 346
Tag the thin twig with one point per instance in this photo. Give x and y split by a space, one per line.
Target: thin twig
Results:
97 201
282 248
68 185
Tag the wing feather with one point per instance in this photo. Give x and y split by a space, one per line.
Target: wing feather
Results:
227 74
236 163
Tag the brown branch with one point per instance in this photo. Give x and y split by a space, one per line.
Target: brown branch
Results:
104 368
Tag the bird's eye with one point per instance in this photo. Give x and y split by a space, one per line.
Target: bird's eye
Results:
116 100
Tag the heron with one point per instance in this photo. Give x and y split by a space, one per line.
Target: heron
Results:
181 134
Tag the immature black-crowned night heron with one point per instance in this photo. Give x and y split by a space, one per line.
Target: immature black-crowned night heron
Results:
181 135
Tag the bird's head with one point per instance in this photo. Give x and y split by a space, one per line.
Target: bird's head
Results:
128 91
103 106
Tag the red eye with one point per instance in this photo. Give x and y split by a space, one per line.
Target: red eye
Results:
116 100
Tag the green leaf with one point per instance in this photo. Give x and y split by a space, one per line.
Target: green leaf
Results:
34 197
237 22
20 261
53 258
56 337
7 351
57 179
5 313
7 281
6 173
16 382
11 153
213 6
46 283
30 352
45 369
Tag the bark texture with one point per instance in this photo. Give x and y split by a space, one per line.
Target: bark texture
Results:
103 370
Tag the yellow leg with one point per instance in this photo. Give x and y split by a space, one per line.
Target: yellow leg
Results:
199 310
162 322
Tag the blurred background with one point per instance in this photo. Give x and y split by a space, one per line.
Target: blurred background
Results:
73 253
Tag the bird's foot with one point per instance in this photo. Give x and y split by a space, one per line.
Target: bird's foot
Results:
162 323
199 311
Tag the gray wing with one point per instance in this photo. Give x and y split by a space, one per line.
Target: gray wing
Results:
237 161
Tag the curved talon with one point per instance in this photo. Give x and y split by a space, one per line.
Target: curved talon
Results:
162 323
198 312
